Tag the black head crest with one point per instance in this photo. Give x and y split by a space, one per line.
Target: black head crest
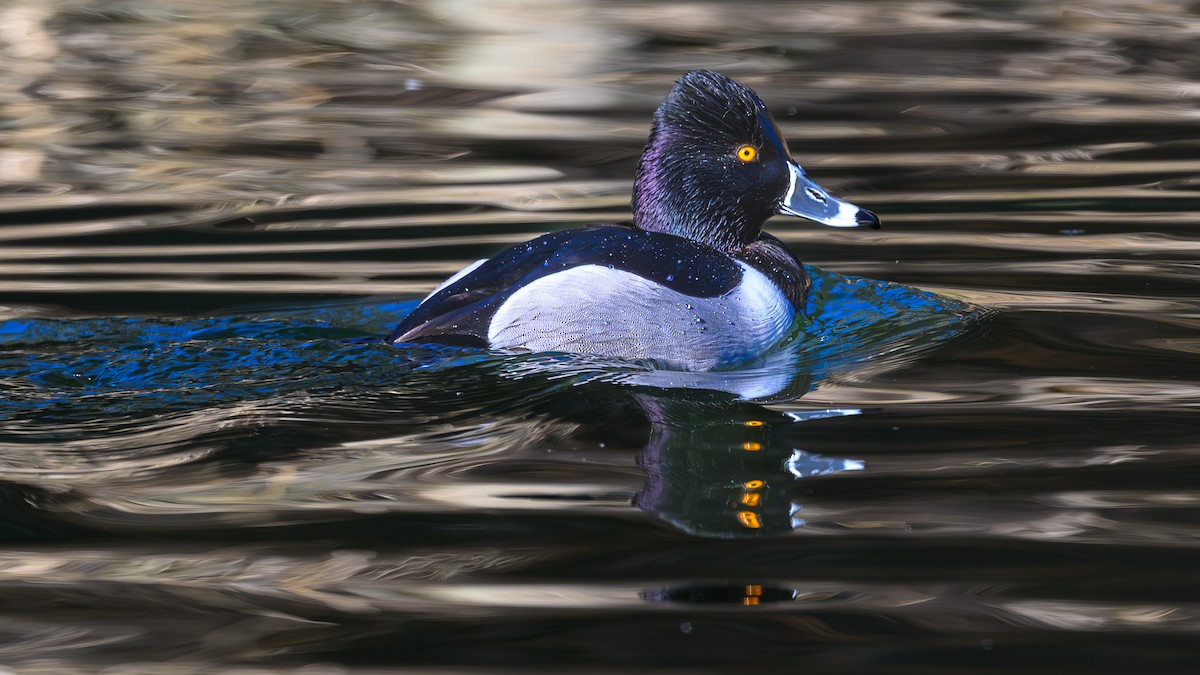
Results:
696 178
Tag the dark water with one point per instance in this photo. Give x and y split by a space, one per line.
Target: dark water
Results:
982 456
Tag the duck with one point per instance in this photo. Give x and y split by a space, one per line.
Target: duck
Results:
692 283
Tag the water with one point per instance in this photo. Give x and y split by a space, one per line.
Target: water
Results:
982 457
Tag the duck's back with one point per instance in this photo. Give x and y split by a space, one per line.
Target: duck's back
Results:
614 291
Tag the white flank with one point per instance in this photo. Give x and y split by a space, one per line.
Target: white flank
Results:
596 310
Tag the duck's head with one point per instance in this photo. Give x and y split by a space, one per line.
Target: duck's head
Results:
716 167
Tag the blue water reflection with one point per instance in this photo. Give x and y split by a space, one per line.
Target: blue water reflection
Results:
150 366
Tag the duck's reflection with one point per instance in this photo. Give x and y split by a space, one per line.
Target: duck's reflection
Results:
718 461
749 594
726 468
719 465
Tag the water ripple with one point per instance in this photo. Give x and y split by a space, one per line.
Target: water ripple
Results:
209 463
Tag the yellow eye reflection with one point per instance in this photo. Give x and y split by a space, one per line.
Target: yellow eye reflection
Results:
749 519
747 153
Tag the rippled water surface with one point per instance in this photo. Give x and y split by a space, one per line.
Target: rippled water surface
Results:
981 456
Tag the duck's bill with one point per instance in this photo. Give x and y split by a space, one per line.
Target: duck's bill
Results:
806 199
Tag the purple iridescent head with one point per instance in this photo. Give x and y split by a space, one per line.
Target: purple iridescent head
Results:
716 167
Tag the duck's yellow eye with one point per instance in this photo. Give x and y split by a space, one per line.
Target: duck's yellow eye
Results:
747 153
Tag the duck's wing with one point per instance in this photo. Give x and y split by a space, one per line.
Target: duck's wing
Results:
458 311
461 310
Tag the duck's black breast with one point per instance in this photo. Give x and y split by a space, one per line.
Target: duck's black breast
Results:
461 312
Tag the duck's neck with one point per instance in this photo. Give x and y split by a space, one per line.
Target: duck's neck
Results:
672 196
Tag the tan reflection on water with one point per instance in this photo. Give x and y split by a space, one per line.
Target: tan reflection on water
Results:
1034 157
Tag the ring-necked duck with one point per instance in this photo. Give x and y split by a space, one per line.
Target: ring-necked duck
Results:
692 283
